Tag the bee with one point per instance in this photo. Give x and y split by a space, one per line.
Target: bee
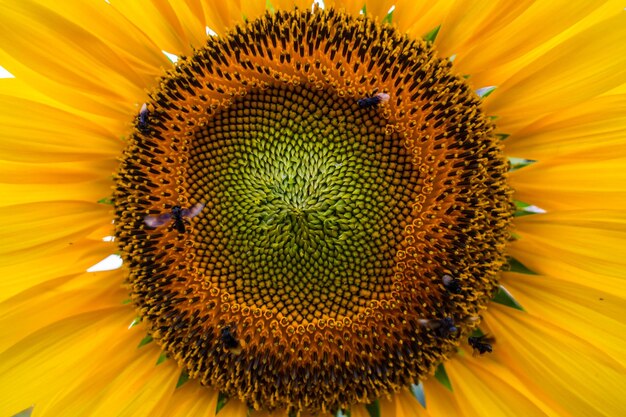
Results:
142 119
481 344
451 284
178 214
373 101
443 327
229 339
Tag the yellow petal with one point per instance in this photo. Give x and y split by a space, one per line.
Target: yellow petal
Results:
53 173
224 15
350 6
44 304
141 389
88 191
70 97
37 132
441 402
37 369
290 4
378 9
419 18
121 34
234 408
492 55
485 388
580 246
619 90
567 183
25 96
402 404
34 183
575 308
284 413
359 410
131 384
580 68
186 21
470 22
21 270
172 29
595 126
53 224
253 9
36 40
558 364
192 400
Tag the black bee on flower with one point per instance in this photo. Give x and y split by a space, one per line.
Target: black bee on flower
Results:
143 119
481 344
177 214
373 101
229 339
444 327
452 285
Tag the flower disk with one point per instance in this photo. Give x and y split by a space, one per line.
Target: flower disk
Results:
313 276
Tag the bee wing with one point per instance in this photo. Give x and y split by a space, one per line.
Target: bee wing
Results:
144 112
194 211
156 221
447 279
383 97
431 324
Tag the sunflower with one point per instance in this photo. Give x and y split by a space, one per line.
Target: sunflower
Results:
348 209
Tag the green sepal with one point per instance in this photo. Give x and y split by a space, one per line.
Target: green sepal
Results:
222 399
504 297
519 163
502 136
418 392
342 413
25 413
135 322
162 358
521 209
373 408
432 35
442 376
486 91
522 213
269 6
106 200
145 341
389 17
516 266
182 379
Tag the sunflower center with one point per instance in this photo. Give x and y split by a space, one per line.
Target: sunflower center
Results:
315 202
313 210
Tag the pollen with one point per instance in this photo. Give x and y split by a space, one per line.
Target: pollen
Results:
328 210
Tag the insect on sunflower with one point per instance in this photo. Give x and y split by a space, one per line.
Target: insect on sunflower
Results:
318 209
